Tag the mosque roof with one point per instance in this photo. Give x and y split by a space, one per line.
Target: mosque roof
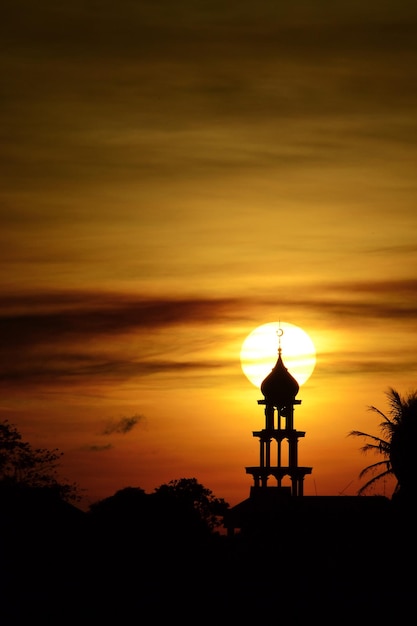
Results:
279 387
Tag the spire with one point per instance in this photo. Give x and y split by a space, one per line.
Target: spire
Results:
279 387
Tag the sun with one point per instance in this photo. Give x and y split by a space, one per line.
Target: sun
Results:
259 352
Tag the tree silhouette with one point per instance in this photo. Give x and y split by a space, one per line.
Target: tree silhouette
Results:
396 444
182 506
192 496
22 466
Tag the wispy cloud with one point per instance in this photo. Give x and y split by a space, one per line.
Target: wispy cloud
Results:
62 338
32 320
123 425
98 448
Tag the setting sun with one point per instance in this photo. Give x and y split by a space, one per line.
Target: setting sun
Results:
259 352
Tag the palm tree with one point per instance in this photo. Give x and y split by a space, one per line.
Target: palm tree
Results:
397 445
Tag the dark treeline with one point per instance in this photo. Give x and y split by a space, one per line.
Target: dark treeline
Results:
136 557
129 554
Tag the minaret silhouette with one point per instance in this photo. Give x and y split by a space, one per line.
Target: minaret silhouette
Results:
279 389
278 451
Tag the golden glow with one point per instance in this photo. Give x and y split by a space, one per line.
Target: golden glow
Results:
259 352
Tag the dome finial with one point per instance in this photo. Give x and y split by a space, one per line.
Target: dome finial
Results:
280 332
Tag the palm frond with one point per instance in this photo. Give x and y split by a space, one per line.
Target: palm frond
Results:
359 433
373 481
380 448
375 409
382 444
375 466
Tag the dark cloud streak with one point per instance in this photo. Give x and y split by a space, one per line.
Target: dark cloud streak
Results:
29 320
85 338
111 314
99 448
44 371
123 425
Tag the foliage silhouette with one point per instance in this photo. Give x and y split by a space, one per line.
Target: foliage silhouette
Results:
396 445
195 499
175 515
23 467
136 554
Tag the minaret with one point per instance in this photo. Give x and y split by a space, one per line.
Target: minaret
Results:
279 389
278 455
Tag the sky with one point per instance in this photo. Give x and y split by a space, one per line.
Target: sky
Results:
175 174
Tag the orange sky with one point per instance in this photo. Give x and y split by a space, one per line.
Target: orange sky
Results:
174 175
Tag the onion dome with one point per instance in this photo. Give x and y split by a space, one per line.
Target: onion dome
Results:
279 387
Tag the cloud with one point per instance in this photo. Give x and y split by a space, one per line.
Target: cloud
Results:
30 319
365 301
123 425
57 316
98 448
404 287
60 339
